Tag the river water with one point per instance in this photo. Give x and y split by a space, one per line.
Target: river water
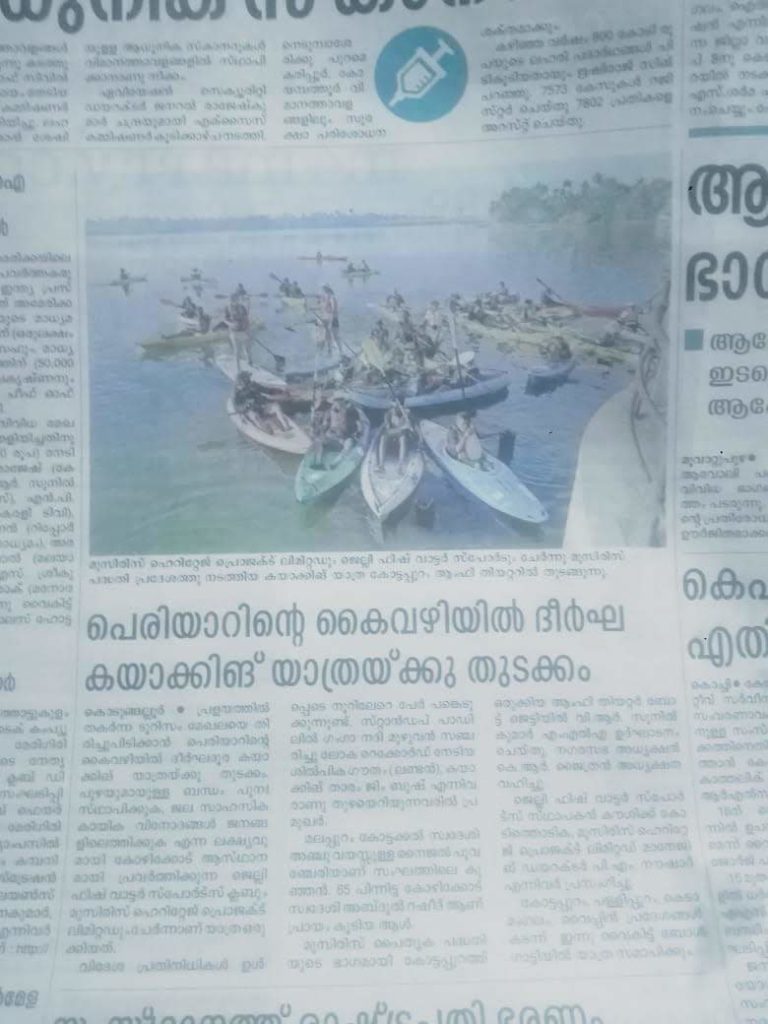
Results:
169 472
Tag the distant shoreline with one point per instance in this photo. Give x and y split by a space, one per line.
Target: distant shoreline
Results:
318 222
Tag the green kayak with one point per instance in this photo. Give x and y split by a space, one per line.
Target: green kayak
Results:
318 478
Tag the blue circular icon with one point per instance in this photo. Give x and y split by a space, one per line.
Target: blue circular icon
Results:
421 74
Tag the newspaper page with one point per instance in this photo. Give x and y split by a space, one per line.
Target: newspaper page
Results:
382 517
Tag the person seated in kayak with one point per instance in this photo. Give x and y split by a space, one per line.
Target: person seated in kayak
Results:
563 350
380 334
364 266
475 310
410 340
336 426
629 318
258 400
197 274
319 422
124 275
239 294
462 442
344 427
350 268
203 320
548 297
397 430
284 288
319 256
296 291
188 308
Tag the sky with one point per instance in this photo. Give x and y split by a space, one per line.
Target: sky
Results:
384 180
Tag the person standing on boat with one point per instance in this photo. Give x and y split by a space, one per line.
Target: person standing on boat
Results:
433 323
203 320
329 318
397 429
409 339
236 318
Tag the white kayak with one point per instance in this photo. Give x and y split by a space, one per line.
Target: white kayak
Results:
385 489
228 366
293 301
267 432
489 480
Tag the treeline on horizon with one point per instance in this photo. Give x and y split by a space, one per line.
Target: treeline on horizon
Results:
601 198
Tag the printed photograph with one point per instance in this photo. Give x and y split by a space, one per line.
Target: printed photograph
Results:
349 350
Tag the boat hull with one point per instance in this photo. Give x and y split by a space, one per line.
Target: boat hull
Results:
494 484
185 339
314 483
292 442
385 491
381 398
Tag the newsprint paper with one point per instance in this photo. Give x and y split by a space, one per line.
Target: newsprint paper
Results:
383 512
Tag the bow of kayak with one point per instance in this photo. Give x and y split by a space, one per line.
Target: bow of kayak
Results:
489 480
388 486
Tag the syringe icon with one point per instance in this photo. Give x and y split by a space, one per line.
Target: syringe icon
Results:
421 73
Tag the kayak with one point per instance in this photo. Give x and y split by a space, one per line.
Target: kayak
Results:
294 301
122 282
294 441
335 469
198 280
228 366
322 258
380 397
490 481
192 323
386 489
360 273
510 339
288 375
187 339
542 377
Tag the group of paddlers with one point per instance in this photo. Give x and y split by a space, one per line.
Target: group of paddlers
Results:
290 289
196 315
406 347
